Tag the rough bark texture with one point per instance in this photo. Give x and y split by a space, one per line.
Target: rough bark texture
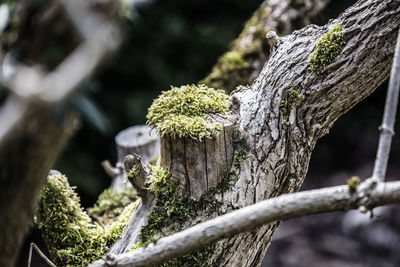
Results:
280 150
278 146
24 163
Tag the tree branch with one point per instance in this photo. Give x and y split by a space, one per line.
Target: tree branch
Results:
389 118
371 193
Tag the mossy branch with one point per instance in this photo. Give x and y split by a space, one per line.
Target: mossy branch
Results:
136 172
70 234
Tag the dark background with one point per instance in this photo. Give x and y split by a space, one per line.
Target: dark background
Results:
177 42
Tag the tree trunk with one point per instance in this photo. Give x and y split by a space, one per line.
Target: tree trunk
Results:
279 119
25 162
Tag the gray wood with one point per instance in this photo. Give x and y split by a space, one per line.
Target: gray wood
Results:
140 140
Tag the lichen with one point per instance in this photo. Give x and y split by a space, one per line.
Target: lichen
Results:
110 204
174 209
328 47
185 112
353 182
70 234
238 158
289 99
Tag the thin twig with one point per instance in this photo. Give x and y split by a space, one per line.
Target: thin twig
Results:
41 254
370 193
389 117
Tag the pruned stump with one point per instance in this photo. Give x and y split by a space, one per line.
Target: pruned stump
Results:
138 140
198 165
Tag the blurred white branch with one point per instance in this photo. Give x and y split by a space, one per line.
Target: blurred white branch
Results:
29 86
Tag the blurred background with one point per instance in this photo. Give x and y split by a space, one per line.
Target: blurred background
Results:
177 42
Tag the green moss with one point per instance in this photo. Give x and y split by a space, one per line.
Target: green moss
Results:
184 112
70 235
328 47
289 99
234 67
353 182
231 70
131 173
110 204
173 208
238 158
198 257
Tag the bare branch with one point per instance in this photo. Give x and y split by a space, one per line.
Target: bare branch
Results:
41 254
389 117
370 193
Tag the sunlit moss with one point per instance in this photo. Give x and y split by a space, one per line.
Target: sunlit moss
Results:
70 235
327 48
185 111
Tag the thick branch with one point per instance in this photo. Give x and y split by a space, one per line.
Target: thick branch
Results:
371 193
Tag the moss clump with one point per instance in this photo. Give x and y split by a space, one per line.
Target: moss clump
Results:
231 70
110 204
184 111
327 48
353 182
238 158
70 235
287 102
173 208
234 67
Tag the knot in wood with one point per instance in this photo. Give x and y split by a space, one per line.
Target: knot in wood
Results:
272 39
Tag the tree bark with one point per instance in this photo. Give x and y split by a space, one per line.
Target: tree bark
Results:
280 150
278 146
